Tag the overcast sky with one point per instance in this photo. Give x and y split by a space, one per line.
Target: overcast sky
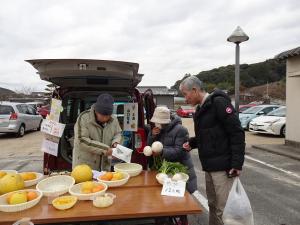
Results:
167 38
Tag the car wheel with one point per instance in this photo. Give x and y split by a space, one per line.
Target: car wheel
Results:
282 131
21 131
247 128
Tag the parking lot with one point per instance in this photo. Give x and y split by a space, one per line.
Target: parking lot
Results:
31 143
263 171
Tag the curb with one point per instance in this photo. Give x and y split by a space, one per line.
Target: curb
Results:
278 152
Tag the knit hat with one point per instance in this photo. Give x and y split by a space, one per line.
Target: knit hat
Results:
161 115
104 104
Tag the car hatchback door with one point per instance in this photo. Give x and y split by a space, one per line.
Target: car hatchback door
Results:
104 74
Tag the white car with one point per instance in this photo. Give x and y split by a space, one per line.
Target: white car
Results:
272 123
18 117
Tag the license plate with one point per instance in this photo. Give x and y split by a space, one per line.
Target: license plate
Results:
255 127
190 114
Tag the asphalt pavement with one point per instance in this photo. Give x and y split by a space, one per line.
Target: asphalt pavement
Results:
271 174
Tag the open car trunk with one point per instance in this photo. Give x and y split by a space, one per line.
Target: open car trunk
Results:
80 82
104 74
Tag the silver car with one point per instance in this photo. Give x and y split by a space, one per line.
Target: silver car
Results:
253 112
18 118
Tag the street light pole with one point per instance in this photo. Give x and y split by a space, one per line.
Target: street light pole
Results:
237 77
238 36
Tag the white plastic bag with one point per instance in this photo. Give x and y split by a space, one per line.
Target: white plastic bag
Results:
237 210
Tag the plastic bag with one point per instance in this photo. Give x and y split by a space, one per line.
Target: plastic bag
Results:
237 210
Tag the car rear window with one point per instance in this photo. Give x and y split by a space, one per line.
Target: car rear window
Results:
6 110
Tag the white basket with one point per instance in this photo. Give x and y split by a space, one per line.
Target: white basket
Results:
29 183
75 190
5 207
116 183
133 169
56 185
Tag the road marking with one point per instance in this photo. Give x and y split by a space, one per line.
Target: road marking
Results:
203 201
273 167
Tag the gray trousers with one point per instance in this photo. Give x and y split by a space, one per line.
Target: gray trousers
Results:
218 186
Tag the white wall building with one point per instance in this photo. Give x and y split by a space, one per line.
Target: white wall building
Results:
292 58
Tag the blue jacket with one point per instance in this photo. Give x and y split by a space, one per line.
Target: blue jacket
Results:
172 137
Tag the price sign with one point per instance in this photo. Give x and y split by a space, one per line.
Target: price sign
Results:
130 117
53 128
173 188
122 153
50 147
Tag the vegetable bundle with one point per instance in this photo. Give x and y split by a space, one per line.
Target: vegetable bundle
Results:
172 168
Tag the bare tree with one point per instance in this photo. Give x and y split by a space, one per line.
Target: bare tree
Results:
26 90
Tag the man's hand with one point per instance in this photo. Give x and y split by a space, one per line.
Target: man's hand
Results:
234 173
155 131
114 145
186 146
108 152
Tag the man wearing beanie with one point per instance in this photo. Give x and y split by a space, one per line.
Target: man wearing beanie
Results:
96 132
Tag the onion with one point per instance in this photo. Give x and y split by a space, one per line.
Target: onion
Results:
162 176
177 177
147 151
157 146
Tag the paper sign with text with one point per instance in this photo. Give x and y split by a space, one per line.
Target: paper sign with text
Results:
122 153
173 188
130 117
50 147
56 108
53 128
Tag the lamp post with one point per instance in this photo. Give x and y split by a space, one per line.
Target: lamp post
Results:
238 36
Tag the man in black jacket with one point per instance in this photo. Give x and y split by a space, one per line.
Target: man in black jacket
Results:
220 140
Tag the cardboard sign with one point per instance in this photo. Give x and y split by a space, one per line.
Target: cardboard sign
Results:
130 116
56 108
122 153
53 128
173 188
50 147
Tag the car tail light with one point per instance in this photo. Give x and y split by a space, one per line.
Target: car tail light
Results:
140 140
13 116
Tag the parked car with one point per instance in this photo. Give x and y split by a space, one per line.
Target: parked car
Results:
18 118
44 110
272 123
242 108
35 105
80 82
254 112
185 111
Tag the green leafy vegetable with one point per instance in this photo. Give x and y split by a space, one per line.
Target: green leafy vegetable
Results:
172 168
157 162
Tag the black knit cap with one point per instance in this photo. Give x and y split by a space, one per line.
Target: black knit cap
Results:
104 104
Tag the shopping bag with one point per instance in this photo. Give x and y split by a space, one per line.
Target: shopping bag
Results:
238 209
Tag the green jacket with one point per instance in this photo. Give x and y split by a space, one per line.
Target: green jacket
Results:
92 140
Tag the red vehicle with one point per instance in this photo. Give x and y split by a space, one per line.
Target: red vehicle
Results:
80 82
185 111
242 108
44 110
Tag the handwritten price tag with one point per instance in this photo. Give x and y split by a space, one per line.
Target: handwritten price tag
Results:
173 188
53 128
122 153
